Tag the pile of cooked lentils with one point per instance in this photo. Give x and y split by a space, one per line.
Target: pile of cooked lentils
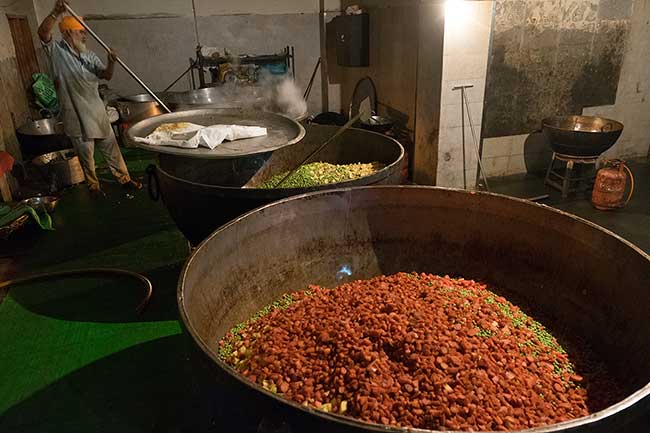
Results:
416 350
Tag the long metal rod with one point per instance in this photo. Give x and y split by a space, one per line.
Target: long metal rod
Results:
126 68
196 25
462 127
324 69
479 158
462 89
178 79
311 81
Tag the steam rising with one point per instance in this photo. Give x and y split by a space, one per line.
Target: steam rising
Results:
270 93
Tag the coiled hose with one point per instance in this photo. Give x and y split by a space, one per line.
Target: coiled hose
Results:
85 273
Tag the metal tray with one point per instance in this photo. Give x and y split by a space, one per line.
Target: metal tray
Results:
282 132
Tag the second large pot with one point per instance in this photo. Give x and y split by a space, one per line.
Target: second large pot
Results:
201 195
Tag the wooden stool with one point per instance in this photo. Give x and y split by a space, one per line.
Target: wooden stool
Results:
563 181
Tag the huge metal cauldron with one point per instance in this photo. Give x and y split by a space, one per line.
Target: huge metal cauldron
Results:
581 135
580 275
201 195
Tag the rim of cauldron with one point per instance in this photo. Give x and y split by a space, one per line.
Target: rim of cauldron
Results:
552 123
184 152
374 177
626 403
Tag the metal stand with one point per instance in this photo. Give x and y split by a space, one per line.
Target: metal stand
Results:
563 180
287 57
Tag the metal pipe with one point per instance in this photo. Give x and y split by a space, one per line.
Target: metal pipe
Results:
108 49
476 144
462 127
196 25
466 107
311 81
324 71
192 78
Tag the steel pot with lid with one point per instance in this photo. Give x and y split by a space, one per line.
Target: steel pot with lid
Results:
202 195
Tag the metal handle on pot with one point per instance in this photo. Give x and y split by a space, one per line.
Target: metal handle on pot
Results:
152 178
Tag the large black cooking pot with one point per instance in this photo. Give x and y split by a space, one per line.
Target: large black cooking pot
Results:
581 135
39 137
583 278
201 195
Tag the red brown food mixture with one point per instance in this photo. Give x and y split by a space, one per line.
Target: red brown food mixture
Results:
411 350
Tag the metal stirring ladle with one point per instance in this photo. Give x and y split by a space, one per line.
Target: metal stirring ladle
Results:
126 68
365 112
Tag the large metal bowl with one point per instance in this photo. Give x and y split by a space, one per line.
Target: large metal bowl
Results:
581 135
42 203
201 195
42 136
581 276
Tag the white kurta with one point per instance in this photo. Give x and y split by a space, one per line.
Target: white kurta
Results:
82 110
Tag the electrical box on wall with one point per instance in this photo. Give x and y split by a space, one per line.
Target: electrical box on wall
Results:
353 40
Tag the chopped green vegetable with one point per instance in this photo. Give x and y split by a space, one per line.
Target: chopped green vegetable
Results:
322 173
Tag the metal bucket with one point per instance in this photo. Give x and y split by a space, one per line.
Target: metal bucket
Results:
61 169
579 274
201 195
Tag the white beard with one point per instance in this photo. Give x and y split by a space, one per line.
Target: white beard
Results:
79 45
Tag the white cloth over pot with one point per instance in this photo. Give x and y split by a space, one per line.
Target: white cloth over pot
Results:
191 136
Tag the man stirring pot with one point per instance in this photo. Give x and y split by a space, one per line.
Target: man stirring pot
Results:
77 72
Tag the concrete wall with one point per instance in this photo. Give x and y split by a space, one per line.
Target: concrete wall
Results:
632 106
405 64
184 7
467 40
14 109
553 57
579 34
629 100
156 38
